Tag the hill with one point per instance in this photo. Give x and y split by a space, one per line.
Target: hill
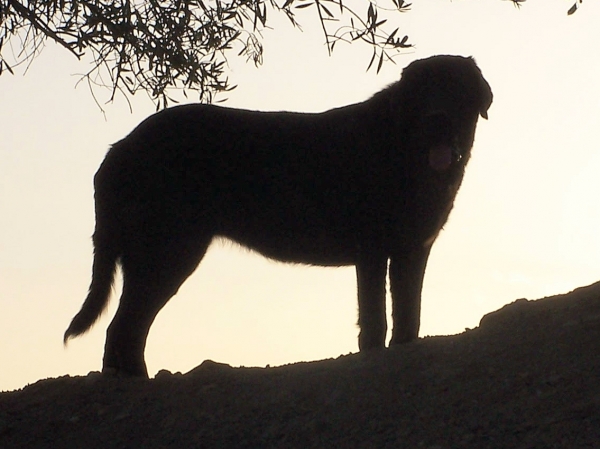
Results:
527 377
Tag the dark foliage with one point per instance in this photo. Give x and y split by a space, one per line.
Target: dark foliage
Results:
158 45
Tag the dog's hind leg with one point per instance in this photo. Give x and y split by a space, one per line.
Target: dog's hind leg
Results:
407 271
150 278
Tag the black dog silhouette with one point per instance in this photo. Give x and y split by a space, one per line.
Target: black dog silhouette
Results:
362 185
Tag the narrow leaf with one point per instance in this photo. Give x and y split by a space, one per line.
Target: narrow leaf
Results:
9 68
326 10
371 62
391 36
380 62
371 13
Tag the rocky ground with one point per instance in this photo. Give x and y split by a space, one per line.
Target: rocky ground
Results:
527 377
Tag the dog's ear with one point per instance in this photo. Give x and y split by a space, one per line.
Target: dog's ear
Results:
486 98
485 93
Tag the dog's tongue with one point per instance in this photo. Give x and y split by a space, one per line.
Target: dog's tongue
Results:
440 157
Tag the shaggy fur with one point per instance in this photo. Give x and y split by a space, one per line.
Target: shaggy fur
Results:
370 185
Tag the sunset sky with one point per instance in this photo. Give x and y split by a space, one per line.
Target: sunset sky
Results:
526 222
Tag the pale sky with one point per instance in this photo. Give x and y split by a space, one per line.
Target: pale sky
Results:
525 223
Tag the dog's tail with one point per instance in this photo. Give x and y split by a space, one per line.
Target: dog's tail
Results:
103 273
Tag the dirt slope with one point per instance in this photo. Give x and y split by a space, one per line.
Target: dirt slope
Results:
528 377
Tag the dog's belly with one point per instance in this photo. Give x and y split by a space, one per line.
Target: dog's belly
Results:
330 236
325 247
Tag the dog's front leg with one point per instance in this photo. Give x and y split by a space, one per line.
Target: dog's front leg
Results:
371 272
407 270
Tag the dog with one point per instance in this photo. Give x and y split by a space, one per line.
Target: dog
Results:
369 184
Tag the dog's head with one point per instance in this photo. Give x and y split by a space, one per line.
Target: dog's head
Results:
439 100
